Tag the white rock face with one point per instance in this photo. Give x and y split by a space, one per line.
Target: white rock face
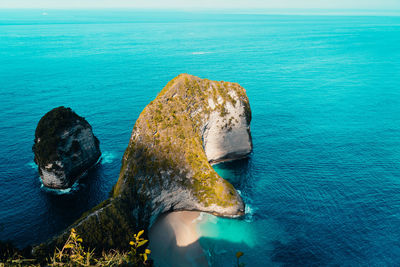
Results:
52 179
177 198
227 137
73 164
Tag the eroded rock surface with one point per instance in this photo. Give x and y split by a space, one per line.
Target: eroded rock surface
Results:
65 148
193 122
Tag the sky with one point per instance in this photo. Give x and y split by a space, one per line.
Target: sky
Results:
207 4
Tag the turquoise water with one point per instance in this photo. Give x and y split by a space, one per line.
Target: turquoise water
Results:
323 183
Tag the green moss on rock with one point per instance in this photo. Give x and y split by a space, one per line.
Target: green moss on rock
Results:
170 131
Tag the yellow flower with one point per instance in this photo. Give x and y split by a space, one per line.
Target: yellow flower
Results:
140 233
239 254
131 243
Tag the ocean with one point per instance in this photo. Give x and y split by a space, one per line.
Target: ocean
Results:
322 186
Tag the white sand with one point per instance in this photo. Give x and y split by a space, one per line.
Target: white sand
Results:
174 240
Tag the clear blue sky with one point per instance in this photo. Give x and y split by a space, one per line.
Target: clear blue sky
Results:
207 4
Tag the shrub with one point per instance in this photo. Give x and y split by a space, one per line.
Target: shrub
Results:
238 255
73 253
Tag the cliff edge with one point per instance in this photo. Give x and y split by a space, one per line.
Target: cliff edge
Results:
191 124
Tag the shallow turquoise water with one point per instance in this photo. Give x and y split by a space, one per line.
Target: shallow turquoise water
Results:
322 185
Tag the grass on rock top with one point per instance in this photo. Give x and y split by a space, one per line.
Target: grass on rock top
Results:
168 137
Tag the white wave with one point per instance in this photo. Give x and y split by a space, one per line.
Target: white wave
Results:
199 218
32 164
200 53
248 209
107 157
248 213
73 188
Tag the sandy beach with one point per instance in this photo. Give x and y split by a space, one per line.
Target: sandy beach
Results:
174 240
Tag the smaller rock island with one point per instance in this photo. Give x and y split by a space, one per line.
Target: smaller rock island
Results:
65 147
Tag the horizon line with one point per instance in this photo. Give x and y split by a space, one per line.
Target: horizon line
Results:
274 11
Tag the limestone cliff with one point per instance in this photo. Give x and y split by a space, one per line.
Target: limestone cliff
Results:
65 147
192 123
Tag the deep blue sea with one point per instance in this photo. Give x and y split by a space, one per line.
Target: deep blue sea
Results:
322 186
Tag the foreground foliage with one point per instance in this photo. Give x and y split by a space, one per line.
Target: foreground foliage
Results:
238 255
74 254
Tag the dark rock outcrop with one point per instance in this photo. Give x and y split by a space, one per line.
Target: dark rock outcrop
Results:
65 148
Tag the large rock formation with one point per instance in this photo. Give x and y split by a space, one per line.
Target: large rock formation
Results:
65 147
192 123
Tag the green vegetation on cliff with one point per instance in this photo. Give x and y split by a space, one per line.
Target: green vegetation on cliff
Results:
104 227
169 140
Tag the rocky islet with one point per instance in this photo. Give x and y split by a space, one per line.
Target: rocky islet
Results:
64 147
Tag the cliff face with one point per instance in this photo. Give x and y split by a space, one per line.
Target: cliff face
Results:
192 123
226 132
64 147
